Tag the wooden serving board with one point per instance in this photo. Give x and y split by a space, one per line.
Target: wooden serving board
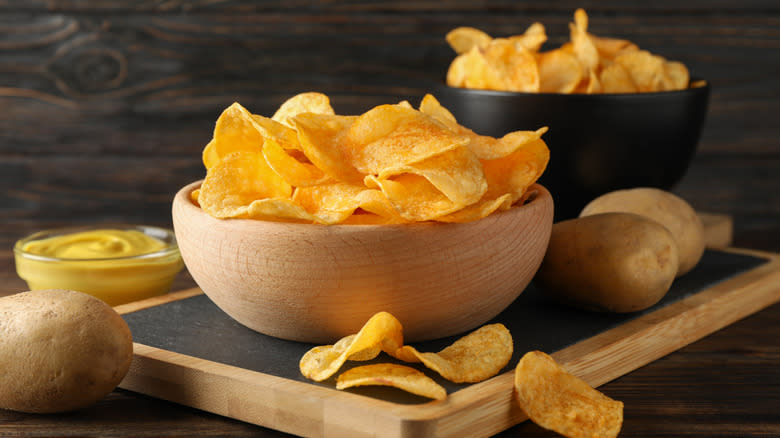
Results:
188 351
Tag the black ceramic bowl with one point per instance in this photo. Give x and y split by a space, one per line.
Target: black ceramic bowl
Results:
599 142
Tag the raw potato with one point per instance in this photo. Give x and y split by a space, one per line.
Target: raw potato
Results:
664 207
59 350
614 262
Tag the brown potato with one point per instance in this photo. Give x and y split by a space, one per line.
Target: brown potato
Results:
59 350
614 262
664 207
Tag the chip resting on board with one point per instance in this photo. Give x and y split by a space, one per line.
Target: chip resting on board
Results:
395 375
475 357
564 403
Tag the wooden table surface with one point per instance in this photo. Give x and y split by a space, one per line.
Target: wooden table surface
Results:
105 107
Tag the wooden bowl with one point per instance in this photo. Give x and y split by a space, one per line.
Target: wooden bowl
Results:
318 283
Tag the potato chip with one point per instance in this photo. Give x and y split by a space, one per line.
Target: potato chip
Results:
473 358
478 210
210 157
393 135
431 106
285 136
375 202
329 203
236 130
463 39
516 172
456 173
532 39
677 74
609 48
238 179
615 79
293 171
394 375
311 102
582 44
510 67
279 210
562 402
646 70
559 71
414 197
382 330
321 136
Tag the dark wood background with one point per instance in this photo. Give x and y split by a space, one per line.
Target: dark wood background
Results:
105 107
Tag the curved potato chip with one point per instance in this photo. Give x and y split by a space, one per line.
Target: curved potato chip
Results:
310 102
321 137
413 196
238 179
582 45
457 173
469 70
478 210
473 358
236 130
375 202
559 72
609 48
517 171
532 39
489 148
646 70
210 157
394 375
677 75
615 79
511 67
431 106
329 203
279 210
285 136
393 135
562 402
462 39
296 173
381 330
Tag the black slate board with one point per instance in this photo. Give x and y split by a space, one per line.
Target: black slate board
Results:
196 327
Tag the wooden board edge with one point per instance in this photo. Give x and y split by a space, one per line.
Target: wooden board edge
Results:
482 409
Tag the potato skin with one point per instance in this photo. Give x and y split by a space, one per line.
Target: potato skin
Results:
60 350
611 262
664 207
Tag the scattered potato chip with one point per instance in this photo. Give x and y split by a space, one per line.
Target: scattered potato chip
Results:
381 331
473 358
562 402
581 65
395 375
392 164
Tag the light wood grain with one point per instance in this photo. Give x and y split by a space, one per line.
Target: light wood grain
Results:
482 409
314 283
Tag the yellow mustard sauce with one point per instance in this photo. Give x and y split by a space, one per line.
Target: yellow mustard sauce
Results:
117 266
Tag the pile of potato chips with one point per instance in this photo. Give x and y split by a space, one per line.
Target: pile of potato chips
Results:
547 393
586 64
392 164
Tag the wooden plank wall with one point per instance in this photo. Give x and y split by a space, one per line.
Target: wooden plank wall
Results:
106 105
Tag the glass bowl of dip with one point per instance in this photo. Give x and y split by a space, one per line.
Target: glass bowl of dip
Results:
116 263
